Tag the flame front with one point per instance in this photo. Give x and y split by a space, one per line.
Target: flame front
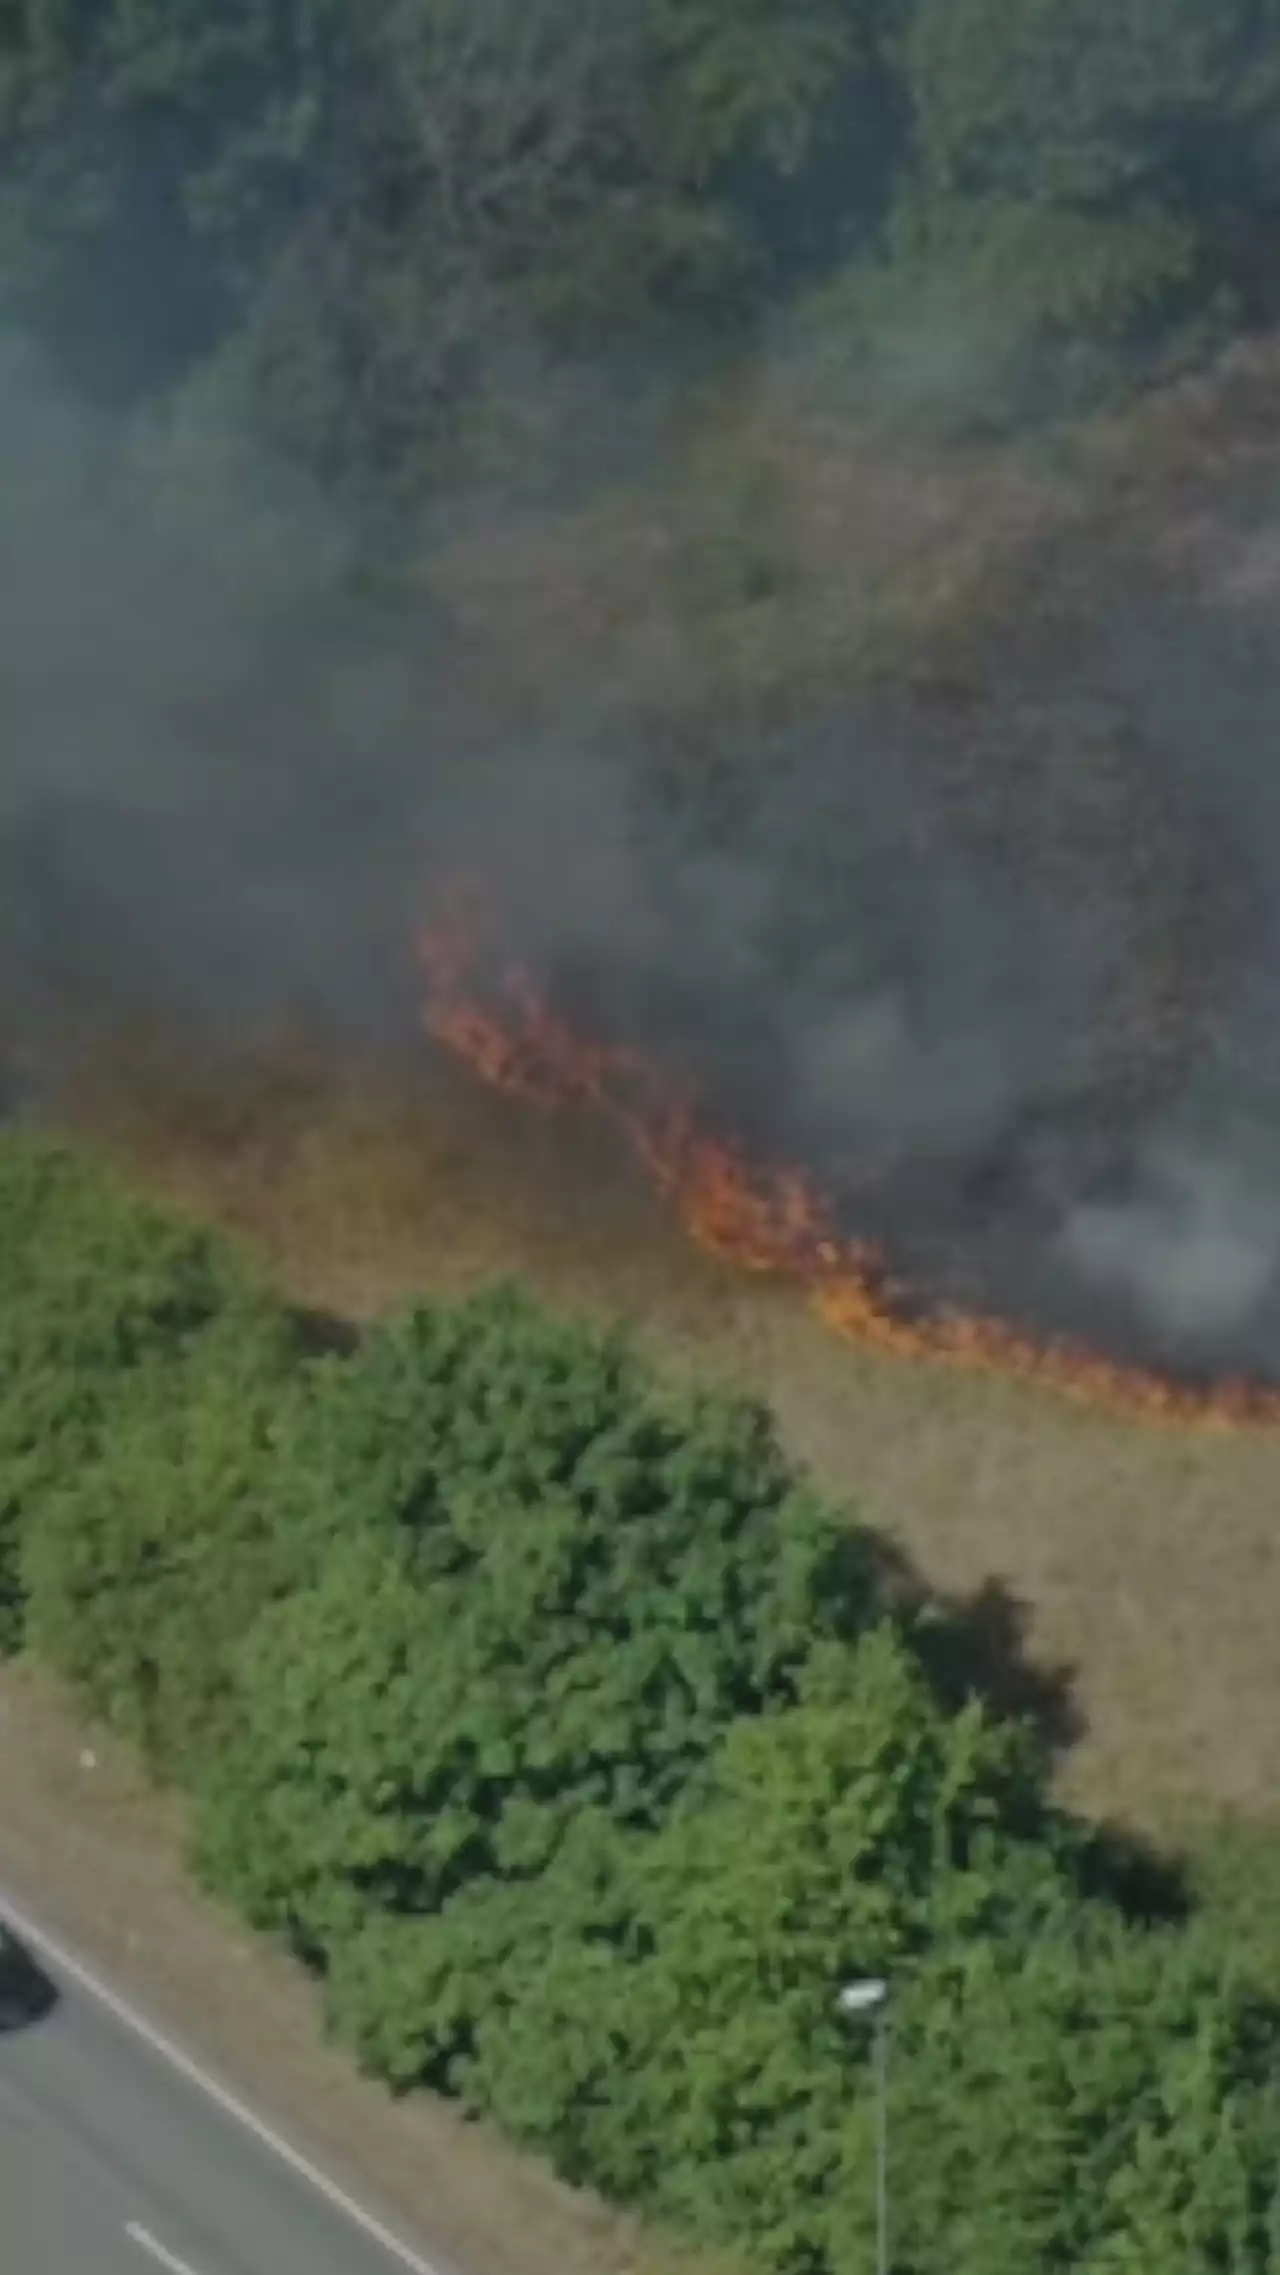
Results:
761 1218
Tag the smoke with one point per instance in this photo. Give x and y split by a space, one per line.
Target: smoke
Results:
1005 979
1195 1250
900 1080
205 746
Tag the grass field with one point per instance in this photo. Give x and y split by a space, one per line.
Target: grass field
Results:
1138 1568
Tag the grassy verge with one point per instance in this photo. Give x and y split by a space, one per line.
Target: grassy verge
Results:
1140 1567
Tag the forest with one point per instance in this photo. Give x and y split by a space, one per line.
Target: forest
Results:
386 232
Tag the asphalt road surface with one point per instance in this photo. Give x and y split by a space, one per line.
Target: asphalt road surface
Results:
119 2155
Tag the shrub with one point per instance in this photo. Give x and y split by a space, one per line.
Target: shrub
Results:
1068 2091
850 1833
150 1563
104 1299
536 1585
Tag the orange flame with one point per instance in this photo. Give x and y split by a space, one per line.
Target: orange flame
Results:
761 1218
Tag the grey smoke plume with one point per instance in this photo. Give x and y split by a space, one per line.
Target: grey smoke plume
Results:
1006 983
204 751
1196 1248
895 1078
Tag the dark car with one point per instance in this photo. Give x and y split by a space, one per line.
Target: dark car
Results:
26 1992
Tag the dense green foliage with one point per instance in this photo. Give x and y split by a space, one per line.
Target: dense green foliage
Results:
577 1748
107 1309
1068 2091
387 222
550 1590
137 1592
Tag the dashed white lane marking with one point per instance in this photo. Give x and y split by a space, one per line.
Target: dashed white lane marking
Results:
147 2242
66 1963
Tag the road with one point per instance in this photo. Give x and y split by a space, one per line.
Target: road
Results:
121 2155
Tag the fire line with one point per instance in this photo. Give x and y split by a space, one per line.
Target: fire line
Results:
487 1010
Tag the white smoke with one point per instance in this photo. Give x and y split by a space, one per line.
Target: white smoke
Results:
894 1085
1196 1252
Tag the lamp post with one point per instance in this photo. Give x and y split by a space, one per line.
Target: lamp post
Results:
870 1996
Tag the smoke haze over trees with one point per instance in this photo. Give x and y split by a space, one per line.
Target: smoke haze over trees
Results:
982 930
371 217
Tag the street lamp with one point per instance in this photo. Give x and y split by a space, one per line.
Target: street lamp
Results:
870 1996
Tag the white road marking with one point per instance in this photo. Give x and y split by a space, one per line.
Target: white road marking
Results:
230 2103
147 2242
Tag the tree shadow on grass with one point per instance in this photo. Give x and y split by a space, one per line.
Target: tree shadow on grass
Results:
976 1646
325 1334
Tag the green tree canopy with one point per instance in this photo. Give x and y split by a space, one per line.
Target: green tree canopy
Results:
849 1833
152 153
152 1557
1086 176
532 1583
104 1298
1068 2091
373 226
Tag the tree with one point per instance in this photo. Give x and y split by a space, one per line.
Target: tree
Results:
791 118
848 1833
1068 2091
104 1297
152 154
152 1559
413 1993
530 1583
523 183
1088 176
1102 2097
1068 102
371 228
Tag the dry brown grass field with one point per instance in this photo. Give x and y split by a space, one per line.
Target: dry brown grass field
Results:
1144 1560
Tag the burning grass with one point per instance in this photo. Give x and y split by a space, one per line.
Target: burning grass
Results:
755 1216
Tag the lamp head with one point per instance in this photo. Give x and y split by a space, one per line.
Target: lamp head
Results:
863 1997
